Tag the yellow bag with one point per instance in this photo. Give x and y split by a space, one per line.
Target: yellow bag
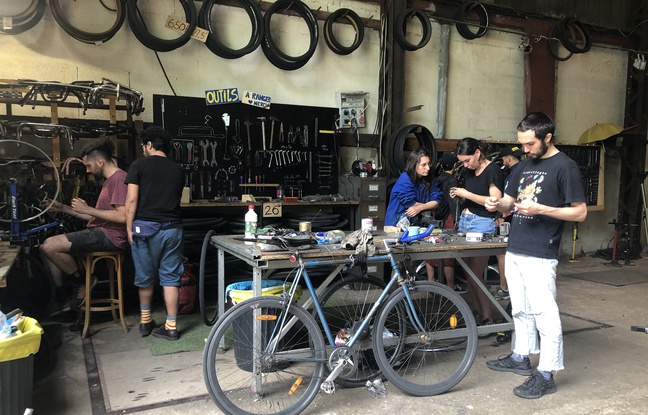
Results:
24 343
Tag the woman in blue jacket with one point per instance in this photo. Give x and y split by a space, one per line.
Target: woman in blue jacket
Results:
415 190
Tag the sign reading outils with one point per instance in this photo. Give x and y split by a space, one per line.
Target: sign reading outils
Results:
222 96
256 100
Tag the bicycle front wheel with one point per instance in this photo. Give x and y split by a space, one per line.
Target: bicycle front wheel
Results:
433 360
264 358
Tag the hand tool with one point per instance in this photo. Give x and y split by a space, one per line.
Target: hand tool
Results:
189 150
226 120
272 125
204 143
263 131
213 147
316 131
281 133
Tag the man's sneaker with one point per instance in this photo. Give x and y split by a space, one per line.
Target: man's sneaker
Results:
79 294
535 386
507 364
146 328
459 289
501 294
162 333
486 322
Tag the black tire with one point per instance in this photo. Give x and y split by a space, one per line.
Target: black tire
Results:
209 321
138 27
553 44
464 29
426 368
355 21
284 387
578 40
400 29
345 304
219 48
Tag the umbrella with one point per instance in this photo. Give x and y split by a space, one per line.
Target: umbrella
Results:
599 132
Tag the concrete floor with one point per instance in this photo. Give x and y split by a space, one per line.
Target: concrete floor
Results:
606 369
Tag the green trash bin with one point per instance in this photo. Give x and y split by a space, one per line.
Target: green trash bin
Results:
17 367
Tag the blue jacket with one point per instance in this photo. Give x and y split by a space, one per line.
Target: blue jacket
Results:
404 194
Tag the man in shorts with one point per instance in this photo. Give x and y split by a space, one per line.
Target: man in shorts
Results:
154 228
105 229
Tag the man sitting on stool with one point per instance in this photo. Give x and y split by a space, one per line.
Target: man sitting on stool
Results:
105 230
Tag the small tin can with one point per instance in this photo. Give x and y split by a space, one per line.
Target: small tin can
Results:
304 227
504 228
367 225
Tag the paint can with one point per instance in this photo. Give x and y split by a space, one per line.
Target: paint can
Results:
367 225
304 227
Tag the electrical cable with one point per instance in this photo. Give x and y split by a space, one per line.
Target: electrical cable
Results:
464 29
330 38
89 37
400 27
270 49
140 31
21 22
215 45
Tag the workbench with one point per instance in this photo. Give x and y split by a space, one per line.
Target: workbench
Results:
264 262
8 255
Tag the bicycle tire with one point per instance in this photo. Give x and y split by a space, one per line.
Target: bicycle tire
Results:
288 387
209 321
342 313
426 368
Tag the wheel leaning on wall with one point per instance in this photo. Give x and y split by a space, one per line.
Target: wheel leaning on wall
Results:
400 27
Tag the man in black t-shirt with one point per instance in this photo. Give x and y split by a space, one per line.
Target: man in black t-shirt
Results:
544 191
154 228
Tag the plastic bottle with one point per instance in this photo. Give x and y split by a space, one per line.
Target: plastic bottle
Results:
5 329
335 236
250 223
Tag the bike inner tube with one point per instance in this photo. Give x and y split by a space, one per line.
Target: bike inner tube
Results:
220 49
464 29
89 37
270 49
401 28
154 43
355 21
25 20
578 40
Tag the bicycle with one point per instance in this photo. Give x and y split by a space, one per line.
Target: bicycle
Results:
268 354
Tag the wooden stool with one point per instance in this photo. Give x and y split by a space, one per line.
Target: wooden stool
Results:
112 303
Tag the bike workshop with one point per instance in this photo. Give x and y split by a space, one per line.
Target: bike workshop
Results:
300 206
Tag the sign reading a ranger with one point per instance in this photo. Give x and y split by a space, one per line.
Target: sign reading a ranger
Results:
256 100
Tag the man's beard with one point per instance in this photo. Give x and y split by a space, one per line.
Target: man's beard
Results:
543 151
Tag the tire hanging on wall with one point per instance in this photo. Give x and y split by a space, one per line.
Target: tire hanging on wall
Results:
354 20
400 28
155 43
216 46
270 49
396 146
553 44
89 37
24 20
464 29
576 30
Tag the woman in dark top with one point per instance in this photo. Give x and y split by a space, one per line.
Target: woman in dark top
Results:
483 179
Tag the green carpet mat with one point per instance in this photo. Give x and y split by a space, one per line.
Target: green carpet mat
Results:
193 334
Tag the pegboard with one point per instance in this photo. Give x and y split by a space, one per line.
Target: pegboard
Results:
250 155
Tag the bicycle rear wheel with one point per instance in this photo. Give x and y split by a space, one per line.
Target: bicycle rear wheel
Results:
433 362
345 305
245 375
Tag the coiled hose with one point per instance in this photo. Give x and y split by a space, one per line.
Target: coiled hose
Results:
152 42
216 46
270 49
89 37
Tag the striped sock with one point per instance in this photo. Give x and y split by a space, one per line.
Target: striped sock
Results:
145 312
170 323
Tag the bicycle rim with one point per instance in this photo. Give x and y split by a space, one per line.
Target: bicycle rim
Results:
433 362
345 305
286 380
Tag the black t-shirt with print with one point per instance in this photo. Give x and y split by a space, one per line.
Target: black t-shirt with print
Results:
554 181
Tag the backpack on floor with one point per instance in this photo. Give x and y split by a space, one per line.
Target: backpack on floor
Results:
188 290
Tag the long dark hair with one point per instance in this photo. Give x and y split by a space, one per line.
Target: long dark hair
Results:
410 168
469 146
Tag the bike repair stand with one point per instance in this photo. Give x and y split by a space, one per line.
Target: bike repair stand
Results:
15 236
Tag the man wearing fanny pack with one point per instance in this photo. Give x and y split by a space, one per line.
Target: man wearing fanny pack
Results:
154 228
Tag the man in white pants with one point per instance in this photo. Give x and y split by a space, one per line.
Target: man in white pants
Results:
544 191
